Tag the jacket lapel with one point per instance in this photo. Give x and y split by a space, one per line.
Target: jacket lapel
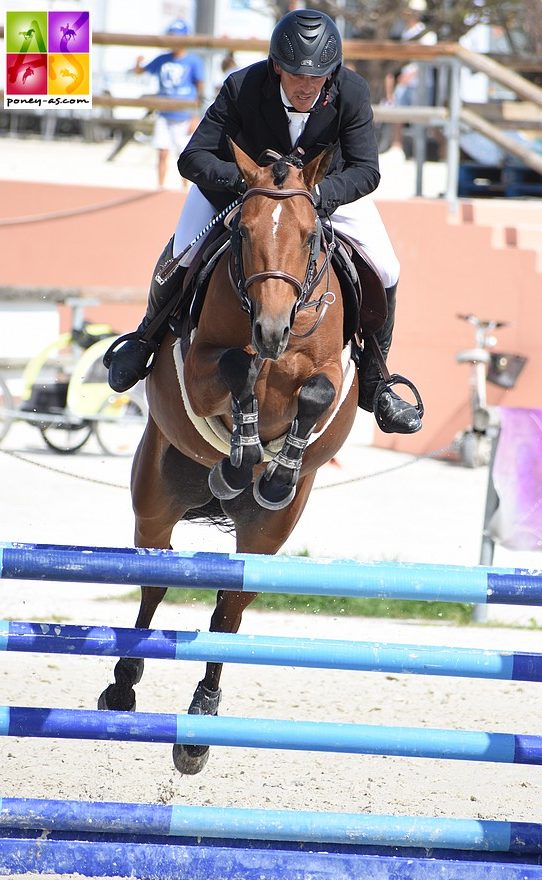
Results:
317 123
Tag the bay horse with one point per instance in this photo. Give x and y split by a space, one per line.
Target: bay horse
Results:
267 362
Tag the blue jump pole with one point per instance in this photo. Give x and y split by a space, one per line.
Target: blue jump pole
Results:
169 843
289 825
253 573
200 859
53 638
265 733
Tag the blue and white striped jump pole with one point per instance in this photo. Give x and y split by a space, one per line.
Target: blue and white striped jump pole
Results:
214 647
256 573
266 733
289 825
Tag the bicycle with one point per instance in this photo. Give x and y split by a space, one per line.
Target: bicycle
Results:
474 445
65 395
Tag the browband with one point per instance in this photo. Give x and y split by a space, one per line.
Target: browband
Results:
278 193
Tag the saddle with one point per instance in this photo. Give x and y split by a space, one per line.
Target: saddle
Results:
364 297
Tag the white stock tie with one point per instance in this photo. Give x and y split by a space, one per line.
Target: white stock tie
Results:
296 121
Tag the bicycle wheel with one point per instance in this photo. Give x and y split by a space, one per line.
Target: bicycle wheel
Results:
66 437
7 407
121 420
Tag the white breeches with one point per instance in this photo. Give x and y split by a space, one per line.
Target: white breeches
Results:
360 220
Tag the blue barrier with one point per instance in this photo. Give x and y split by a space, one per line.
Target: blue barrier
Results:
54 638
266 733
281 825
270 574
206 843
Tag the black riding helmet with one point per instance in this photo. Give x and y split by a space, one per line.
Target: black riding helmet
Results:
306 42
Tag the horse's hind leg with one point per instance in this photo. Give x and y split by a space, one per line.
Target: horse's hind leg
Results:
156 512
129 670
276 487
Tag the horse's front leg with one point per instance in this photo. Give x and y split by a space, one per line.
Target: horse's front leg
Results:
231 476
276 487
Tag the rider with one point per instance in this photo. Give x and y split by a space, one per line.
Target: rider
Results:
301 96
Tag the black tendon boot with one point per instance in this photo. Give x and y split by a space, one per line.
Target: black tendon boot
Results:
393 414
131 357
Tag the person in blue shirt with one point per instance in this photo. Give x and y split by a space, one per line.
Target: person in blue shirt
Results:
180 75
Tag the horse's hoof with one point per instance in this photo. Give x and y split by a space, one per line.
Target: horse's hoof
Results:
109 699
218 485
190 760
271 503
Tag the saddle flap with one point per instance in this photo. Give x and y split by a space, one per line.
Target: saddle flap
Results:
374 305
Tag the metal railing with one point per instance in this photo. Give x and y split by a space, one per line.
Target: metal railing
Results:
451 118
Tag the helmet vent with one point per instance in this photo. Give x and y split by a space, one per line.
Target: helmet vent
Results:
286 48
310 22
329 52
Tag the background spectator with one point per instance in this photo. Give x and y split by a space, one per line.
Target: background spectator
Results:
180 75
414 84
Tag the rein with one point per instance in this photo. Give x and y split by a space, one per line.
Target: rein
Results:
241 283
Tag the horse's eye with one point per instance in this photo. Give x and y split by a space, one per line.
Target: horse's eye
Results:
243 232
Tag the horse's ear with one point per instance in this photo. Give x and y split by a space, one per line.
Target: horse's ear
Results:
245 164
316 169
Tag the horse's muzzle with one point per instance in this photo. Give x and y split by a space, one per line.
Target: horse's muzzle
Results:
270 339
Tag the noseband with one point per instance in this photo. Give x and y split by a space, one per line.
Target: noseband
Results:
312 278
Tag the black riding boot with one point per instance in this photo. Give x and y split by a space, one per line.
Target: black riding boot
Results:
393 414
134 359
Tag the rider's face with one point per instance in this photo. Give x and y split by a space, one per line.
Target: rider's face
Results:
300 90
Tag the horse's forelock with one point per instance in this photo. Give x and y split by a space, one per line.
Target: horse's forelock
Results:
280 169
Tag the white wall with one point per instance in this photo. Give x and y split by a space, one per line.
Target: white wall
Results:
25 329
243 18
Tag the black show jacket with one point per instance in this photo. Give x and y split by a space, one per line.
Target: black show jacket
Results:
249 109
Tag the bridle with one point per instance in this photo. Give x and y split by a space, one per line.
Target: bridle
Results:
313 276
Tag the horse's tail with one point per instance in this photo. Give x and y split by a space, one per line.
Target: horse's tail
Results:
211 514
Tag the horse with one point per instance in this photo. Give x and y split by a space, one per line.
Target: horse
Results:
267 363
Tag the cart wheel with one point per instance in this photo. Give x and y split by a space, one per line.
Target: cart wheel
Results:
6 409
120 424
66 438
